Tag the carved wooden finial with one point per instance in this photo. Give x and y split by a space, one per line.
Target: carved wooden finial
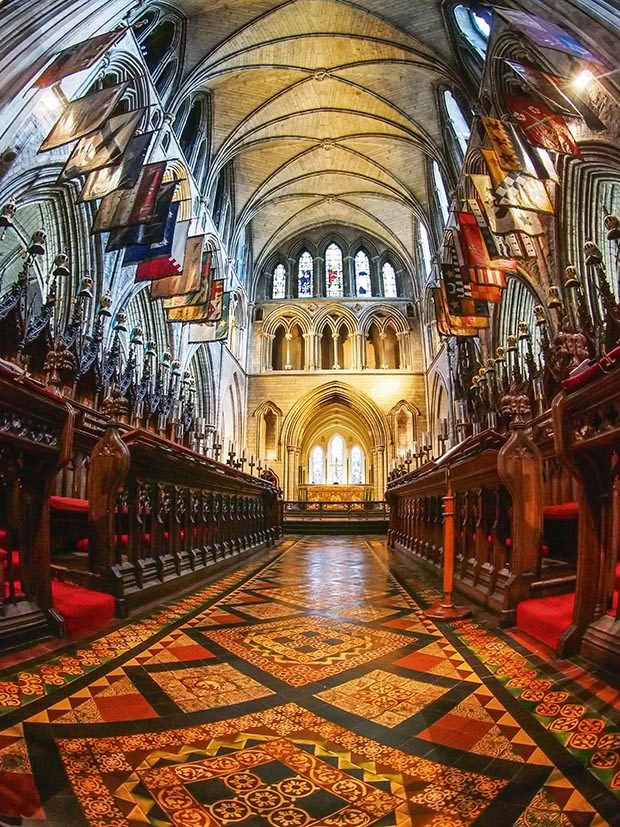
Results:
115 406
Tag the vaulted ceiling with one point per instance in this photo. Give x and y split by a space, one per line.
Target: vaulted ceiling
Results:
326 108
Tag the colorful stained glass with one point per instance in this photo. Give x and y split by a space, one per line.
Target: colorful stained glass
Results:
317 466
357 465
362 274
304 280
279 282
389 281
333 270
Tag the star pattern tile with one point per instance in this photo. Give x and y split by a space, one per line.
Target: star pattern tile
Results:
208 687
383 697
270 699
308 649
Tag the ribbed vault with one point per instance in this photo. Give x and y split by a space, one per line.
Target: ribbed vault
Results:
326 109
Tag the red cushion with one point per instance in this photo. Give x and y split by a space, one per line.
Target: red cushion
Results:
83 544
509 542
599 368
564 511
68 504
14 555
3 534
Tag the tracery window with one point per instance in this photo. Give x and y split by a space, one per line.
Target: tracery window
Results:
475 26
335 460
362 274
333 270
427 256
440 191
304 275
458 122
357 465
279 282
317 466
389 281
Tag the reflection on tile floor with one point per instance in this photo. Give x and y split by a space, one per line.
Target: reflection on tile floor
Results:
306 687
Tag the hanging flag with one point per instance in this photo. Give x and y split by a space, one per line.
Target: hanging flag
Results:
453 325
547 87
458 294
495 244
77 58
547 34
502 144
189 280
122 208
104 147
524 192
212 331
541 126
82 116
204 305
504 220
193 307
145 241
170 265
474 248
122 176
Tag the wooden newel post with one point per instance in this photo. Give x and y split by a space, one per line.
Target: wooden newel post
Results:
446 610
109 466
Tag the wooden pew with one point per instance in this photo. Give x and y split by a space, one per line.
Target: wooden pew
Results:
162 516
586 425
36 434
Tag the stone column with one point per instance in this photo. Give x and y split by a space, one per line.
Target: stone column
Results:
357 360
287 364
335 338
291 472
403 349
310 351
380 476
266 351
382 362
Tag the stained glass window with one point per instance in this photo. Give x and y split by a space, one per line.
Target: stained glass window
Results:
279 282
304 278
357 465
426 249
316 466
333 270
440 190
460 127
362 274
475 26
337 471
389 281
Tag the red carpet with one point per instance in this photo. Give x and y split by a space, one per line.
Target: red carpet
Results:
545 618
83 610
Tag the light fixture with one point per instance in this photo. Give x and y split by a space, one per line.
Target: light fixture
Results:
584 79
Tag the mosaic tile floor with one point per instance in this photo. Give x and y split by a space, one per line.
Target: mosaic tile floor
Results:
270 699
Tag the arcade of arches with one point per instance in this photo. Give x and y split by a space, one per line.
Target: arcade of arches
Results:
310 413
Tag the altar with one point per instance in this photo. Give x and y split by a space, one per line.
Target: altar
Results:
335 493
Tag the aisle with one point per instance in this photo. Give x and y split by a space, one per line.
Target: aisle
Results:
304 688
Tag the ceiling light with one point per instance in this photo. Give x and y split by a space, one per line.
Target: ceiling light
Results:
584 79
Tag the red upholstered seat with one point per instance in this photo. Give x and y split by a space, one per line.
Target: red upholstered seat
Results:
68 504
546 618
83 544
564 511
83 610
4 556
3 534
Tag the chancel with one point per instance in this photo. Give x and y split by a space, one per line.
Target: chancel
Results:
309 413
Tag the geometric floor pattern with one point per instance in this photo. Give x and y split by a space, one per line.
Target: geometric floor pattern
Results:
306 688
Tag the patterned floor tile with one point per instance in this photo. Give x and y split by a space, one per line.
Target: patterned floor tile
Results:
208 687
285 767
340 629
309 649
383 697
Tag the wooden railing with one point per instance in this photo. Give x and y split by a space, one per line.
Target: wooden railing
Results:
496 556
371 509
155 516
